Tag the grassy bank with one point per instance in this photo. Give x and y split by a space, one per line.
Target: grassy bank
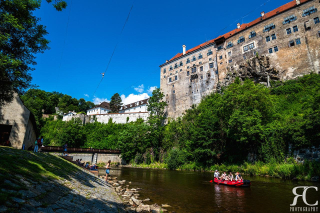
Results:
285 170
39 167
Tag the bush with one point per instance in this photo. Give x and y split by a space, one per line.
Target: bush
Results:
148 158
176 158
139 159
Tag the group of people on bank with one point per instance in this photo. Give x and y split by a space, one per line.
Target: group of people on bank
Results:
229 177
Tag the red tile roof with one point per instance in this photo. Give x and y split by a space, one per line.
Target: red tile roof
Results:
245 26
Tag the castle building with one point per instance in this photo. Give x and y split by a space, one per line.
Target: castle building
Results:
289 36
102 108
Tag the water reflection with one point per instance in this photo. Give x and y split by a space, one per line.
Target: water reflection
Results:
192 192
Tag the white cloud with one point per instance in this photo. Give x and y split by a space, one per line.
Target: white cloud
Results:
86 95
133 98
140 88
97 100
150 90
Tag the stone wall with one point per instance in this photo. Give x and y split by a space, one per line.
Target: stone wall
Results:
97 157
210 63
16 115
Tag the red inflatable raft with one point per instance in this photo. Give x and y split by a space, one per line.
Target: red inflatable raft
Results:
241 183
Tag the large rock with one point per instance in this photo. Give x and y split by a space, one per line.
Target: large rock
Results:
136 201
143 208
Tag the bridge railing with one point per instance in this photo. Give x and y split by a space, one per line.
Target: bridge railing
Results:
79 150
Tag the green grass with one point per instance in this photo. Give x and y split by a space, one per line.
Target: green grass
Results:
155 165
17 164
285 170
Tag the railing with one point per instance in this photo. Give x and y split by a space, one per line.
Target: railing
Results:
79 150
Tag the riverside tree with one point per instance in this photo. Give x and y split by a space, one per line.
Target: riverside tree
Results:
21 37
156 120
115 103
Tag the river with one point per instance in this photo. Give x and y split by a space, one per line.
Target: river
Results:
192 192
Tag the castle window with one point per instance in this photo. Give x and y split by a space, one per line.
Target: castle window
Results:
273 36
181 63
295 28
230 44
318 34
201 76
177 71
209 52
267 38
170 67
252 34
170 80
211 65
220 47
210 59
248 47
307 25
230 60
164 70
291 43
176 66
309 11
241 39
175 78
174 91
276 49
269 27
298 41
180 70
201 68
172 85
200 56
270 50
220 57
188 67
170 73
188 61
289 19
188 73
229 53
288 31
316 20
194 58
193 69
164 76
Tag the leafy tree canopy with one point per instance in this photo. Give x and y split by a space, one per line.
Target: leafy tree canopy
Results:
21 37
115 103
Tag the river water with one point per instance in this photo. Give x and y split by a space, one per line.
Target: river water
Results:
192 192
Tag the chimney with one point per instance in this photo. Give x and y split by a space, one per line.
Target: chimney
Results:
184 49
262 14
297 2
238 25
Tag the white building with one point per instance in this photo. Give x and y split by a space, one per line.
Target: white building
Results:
139 106
128 113
103 108
68 116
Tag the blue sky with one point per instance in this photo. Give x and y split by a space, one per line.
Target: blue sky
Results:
84 35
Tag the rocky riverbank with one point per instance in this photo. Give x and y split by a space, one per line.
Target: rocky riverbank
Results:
131 199
44 183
